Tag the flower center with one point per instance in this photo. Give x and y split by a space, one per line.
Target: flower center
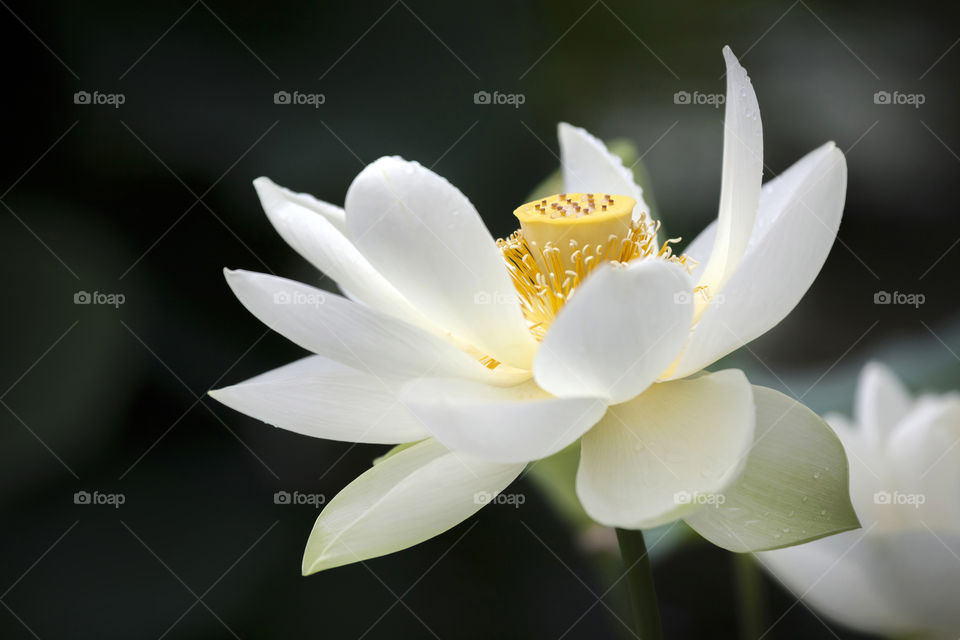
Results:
564 237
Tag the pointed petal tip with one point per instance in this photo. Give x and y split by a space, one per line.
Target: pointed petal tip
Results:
263 182
308 567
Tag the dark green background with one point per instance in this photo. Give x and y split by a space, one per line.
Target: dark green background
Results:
104 199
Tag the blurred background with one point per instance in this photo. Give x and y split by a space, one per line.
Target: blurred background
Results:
132 132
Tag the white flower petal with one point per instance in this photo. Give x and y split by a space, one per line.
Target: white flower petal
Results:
330 212
793 489
362 338
589 167
922 572
426 237
924 456
797 224
742 176
512 424
322 398
620 330
881 402
323 244
699 249
842 577
407 498
644 462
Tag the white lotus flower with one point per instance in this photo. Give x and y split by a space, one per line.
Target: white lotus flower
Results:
492 354
900 575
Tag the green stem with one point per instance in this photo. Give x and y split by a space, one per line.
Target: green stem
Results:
749 596
643 596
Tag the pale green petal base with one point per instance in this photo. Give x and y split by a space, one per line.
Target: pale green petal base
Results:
794 488
409 496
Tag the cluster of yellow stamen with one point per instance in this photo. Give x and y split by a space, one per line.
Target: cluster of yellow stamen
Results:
564 237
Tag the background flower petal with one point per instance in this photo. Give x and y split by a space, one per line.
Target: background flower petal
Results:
881 402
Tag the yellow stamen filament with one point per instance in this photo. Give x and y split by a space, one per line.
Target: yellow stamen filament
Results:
565 237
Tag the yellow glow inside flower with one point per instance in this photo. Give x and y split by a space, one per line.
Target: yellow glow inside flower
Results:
563 238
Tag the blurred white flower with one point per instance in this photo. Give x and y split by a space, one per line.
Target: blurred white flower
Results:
498 353
900 574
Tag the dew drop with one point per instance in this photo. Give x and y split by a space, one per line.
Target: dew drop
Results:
816 475
804 499
823 512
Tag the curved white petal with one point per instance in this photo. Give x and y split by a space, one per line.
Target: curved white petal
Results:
322 398
797 224
923 575
742 176
699 249
881 402
330 212
502 424
923 451
620 330
667 451
427 239
841 576
589 167
323 244
407 498
794 487
350 333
